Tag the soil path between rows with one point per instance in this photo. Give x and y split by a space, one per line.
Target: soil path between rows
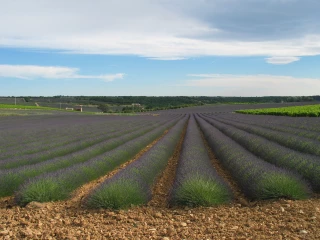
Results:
80 193
239 197
163 184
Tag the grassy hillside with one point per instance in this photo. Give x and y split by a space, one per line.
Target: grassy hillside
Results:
12 106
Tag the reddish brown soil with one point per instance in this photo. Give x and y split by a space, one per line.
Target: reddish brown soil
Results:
80 193
160 192
282 219
238 195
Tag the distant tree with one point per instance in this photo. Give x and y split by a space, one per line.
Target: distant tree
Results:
104 107
127 109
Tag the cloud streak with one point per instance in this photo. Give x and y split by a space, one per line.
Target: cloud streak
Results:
281 60
30 72
254 85
166 30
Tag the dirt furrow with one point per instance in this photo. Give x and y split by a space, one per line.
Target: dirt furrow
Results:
239 197
163 184
80 193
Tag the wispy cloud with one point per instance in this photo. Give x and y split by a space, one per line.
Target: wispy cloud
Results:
166 30
30 72
254 85
167 58
282 60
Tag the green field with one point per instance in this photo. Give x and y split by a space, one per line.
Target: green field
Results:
296 111
12 106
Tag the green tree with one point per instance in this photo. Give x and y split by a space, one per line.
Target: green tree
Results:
104 107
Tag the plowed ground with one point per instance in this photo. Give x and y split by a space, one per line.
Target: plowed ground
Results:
282 219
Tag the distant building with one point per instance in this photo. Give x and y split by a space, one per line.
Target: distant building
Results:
78 108
136 106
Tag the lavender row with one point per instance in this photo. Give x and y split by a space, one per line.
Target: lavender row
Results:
56 138
52 139
197 183
22 133
81 144
303 123
60 184
28 129
304 164
10 179
269 124
50 143
292 141
256 178
133 185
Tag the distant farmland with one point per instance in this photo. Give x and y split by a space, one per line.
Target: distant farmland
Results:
293 111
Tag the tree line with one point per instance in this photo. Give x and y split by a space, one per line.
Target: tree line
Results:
144 103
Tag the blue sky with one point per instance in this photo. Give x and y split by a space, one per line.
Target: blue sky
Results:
160 48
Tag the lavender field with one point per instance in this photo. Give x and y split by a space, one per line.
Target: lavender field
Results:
48 157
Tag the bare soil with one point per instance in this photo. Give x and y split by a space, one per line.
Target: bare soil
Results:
161 190
237 194
85 189
281 219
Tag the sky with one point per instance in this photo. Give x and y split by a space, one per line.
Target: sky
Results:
160 47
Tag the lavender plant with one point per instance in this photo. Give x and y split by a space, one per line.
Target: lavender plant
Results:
60 184
286 139
133 185
269 123
304 164
197 183
81 144
60 138
56 139
10 179
257 179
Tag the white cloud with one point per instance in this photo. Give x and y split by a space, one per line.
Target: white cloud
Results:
169 48
50 72
163 29
167 58
108 78
281 60
254 85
